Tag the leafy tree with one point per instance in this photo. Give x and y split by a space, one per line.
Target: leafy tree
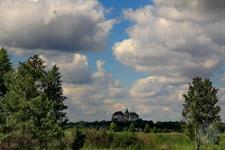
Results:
113 126
16 103
200 109
34 104
147 128
48 106
54 92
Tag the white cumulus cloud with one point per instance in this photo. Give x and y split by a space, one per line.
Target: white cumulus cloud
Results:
68 25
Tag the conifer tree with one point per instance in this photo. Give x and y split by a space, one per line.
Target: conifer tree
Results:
34 104
54 91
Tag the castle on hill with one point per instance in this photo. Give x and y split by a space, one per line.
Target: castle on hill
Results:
126 116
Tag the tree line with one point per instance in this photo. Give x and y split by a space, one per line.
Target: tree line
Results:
139 125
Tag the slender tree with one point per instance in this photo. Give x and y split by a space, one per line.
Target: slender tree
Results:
54 91
5 67
200 109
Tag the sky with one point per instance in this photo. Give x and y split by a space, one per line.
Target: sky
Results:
118 54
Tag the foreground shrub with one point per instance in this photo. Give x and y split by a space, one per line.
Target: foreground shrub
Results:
98 139
104 139
124 140
79 140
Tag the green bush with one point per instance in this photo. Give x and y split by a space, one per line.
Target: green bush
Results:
147 128
123 140
78 140
98 139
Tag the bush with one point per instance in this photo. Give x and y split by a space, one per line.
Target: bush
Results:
78 141
132 127
147 128
113 126
98 139
124 140
103 139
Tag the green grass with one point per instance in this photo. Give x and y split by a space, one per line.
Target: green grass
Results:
105 140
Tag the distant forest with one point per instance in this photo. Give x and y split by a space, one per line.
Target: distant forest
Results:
139 125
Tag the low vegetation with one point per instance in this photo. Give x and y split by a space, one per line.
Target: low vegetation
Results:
107 140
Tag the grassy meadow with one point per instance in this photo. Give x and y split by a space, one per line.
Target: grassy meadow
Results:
106 140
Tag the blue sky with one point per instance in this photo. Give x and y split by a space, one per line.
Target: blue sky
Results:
116 8
117 54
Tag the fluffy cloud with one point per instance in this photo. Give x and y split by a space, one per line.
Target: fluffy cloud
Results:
68 25
166 39
96 95
96 99
74 67
91 95
172 45
158 97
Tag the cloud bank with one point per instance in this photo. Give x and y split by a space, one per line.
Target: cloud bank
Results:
68 25
172 41
166 39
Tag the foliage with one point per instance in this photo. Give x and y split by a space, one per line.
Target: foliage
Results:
167 126
33 106
147 128
5 67
132 127
213 133
200 110
78 140
113 126
105 140
99 139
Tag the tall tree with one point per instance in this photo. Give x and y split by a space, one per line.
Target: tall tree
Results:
54 91
34 104
48 106
200 109
5 66
24 104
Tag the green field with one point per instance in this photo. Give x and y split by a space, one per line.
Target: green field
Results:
105 140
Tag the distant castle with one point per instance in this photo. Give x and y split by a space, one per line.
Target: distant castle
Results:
126 116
